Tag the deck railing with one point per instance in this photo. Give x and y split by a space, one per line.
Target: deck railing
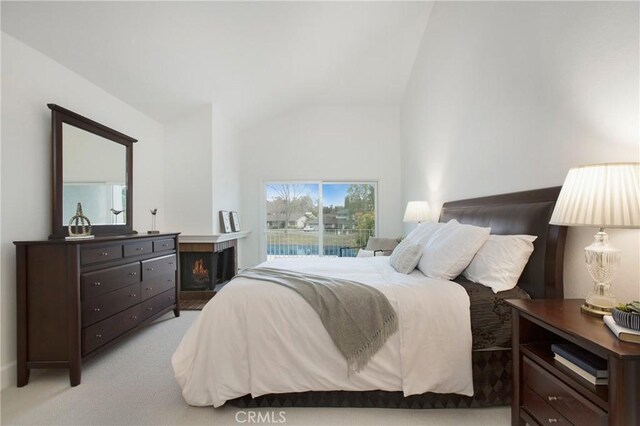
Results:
299 243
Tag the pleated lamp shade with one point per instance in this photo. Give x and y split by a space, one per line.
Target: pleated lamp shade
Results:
416 212
600 195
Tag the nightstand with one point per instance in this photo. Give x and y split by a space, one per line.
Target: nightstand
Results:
546 392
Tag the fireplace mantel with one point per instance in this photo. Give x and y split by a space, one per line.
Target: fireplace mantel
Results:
213 238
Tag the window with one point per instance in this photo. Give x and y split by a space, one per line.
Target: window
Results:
319 218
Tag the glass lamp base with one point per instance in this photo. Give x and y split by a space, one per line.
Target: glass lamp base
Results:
600 301
602 261
596 311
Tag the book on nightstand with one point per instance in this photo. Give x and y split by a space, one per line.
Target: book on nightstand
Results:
622 333
579 371
586 361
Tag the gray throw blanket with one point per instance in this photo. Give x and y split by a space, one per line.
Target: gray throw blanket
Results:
359 318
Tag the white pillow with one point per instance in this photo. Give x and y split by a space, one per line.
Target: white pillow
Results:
450 249
405 257
500 261
365 253
422 233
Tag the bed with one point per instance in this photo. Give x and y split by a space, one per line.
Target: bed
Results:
485 348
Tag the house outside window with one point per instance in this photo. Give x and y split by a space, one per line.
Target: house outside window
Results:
318 218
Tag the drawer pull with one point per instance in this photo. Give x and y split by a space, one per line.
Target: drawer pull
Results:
139 248
149 288
97 284
553 398
165 245
149 309
553 420
96 309
134 317
169 281
133 273
99 336
104 253
170 263
132 295
149 269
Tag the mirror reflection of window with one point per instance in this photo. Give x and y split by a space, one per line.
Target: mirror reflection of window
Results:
97 201
94 174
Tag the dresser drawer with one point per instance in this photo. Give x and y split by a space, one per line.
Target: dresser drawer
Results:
159 266
573 406
162 245
138 248
107 280
157 285
158 303
101 307
101 333
102 254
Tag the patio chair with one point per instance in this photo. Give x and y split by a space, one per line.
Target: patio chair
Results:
376 246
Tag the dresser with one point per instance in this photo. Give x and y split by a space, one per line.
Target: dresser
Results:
75 298
547 392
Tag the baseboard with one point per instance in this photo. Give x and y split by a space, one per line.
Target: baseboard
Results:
197 295
8 375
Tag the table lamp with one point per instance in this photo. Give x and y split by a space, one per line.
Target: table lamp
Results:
416 212
602 196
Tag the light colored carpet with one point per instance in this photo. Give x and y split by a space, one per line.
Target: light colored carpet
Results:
132 384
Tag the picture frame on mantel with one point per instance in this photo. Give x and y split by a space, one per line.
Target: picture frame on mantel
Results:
235 222
225 222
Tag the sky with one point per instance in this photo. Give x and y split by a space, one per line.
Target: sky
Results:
333 194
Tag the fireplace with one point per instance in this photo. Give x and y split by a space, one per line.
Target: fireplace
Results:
198 271
206 267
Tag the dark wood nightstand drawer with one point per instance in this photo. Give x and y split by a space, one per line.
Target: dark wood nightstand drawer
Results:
573 406
540 410
138 248
102 254
107 280
162 245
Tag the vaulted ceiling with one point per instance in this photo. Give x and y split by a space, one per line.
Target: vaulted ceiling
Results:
249 59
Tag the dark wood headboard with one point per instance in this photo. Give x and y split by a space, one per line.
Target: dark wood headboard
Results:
526 212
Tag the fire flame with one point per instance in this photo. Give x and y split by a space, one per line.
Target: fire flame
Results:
199 271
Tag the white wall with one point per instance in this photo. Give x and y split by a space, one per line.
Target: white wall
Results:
202 173
188 173
507 96
30 80
329 143
226 172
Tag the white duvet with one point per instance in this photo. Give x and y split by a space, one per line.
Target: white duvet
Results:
256 337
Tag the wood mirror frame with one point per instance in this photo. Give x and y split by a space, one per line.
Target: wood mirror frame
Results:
59 116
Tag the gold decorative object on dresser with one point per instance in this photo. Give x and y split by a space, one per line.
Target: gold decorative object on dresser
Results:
77 297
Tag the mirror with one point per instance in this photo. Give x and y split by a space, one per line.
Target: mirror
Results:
91 165
94 174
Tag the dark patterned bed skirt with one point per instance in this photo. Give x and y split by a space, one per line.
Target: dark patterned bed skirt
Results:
491 383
